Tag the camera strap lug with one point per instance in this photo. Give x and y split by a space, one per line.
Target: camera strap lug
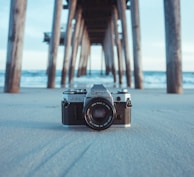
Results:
65 103
128 103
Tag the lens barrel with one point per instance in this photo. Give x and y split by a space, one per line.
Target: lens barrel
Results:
99 113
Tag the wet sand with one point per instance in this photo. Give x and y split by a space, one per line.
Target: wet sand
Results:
160 141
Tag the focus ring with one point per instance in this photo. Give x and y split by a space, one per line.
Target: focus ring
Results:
99 113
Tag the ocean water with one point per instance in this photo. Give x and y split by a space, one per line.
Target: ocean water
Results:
152 79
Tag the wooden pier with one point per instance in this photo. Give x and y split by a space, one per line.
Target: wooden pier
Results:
96 23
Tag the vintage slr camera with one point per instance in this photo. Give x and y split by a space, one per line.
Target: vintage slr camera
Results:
97 108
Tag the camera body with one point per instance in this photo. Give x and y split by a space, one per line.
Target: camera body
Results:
97 107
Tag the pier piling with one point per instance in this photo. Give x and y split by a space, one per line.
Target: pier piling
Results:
173 46
68 41
75 43
15 46
122 14
54 43
135 19
118 45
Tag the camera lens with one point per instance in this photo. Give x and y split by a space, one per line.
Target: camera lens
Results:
99 113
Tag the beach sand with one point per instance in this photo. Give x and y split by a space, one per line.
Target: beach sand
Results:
160 141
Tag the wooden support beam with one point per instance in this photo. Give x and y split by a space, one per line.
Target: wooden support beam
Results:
54 43
15 46
67 44
107 54
81 32
121 4
86 55
75 44
102 60
111 49
138 73
173 46
118 44
82 52
86 58
81 41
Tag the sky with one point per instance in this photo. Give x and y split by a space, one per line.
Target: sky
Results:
39 20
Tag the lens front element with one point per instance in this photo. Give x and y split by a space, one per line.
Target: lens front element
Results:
99 113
